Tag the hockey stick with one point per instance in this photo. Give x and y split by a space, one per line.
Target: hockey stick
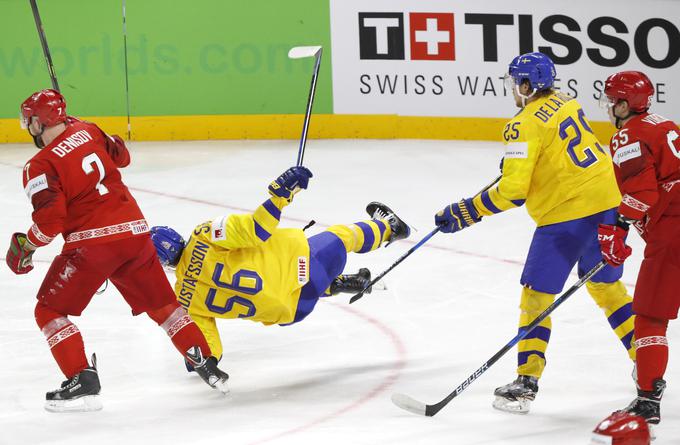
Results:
409 252
410 404
43 42
301 52
127 82
395 264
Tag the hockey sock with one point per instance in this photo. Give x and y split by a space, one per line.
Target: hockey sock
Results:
63 338
618 308
183 332
531 350
652 350
363 236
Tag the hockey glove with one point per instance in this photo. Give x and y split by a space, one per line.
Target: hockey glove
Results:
457 216
613 244
20 254
290 182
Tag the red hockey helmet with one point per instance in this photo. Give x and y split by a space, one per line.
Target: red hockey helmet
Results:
622 428
631 86
47 106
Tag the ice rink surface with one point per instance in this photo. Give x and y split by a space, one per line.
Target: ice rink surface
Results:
328 380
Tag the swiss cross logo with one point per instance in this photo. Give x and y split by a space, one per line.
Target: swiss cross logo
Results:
382 35
432 36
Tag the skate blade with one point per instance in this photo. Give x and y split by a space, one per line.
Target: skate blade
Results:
221 386
512 406
79 405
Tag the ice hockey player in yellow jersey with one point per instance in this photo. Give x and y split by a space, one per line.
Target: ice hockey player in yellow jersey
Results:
555 166
244 266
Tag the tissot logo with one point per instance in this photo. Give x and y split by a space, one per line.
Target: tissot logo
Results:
432 36
381 36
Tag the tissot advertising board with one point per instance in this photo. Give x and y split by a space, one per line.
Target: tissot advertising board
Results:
448 57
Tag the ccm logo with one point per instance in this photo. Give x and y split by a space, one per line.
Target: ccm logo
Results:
381 36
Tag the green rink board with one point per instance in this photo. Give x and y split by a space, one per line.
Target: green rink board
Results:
184 58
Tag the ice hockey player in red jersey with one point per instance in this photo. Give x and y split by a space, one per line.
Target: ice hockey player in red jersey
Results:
76 190
646 155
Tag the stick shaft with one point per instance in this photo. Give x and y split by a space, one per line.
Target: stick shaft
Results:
308 110
410 251
431 410
43 42
127 80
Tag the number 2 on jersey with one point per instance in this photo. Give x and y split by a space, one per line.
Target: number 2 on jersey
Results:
88 168
575 141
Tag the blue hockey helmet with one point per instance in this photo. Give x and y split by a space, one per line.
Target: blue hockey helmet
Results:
535 67
168 243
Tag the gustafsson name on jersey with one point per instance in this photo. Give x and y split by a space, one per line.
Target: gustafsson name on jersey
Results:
71 143
190 277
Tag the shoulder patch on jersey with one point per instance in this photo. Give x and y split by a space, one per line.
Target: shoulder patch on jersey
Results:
626 153
654 119
218 230
35 185
516 150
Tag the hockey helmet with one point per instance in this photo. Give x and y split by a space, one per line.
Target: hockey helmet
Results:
632 86
622 428
535 67
168 243
48 107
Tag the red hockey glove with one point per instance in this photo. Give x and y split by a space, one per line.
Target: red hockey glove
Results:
613 244
20 253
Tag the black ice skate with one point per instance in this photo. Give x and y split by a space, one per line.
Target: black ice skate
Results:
208 370
516 397
77 394
352 283
400 229
648 403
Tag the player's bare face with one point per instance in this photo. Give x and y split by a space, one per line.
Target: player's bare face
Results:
518 100
34 127
610 113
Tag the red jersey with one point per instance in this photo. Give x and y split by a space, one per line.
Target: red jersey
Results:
646 155
76 189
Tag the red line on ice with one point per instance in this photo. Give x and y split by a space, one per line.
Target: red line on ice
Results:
387 382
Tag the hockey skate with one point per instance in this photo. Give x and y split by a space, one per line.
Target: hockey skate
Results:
78 394
208 370
648 403
516 397
351 283
400 229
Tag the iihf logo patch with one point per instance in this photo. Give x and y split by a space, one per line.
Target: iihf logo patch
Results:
302 272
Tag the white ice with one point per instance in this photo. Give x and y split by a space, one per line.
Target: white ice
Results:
447 309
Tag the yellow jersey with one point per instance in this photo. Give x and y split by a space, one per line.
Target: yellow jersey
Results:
554 163
243 266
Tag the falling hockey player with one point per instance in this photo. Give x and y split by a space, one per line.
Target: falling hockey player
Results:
76 190
244 266
553 163
646 155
